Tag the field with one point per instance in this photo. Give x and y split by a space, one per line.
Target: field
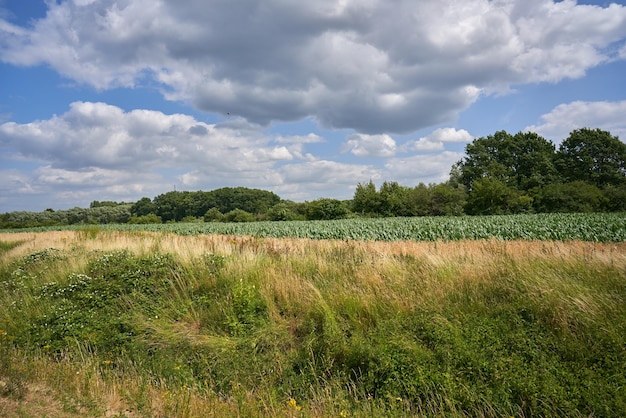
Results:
600 227
99 321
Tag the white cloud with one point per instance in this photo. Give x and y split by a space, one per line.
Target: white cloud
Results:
101 149
560 121
426 168
363 145
435 141
373 66
299 139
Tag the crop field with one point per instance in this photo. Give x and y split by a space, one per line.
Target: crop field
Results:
597 227
176 320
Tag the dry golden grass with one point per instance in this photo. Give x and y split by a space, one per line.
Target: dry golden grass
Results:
296 274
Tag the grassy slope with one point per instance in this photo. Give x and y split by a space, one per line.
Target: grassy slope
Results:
143 324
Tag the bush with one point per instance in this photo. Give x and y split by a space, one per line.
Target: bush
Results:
239 215
577 196
326 209
213 215
145 219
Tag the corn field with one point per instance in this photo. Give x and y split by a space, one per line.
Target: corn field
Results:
595 227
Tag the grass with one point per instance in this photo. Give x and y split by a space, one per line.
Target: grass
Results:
110 323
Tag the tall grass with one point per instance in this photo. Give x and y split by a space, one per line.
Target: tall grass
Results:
111 323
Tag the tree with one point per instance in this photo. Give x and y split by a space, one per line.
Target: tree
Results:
283 211
521 161
142 207
419 200
238 215
614 198
326 209
213 215
393 199
447 200
366 200
171 206
593 156
491 196
577 196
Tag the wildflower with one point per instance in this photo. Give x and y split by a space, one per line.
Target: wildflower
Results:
291 403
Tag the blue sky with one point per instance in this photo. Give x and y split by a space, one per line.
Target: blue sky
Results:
123 99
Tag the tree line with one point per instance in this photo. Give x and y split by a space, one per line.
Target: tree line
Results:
500 174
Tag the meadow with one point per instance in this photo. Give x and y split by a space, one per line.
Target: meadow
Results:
179 323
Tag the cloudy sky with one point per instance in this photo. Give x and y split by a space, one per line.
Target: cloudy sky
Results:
121 99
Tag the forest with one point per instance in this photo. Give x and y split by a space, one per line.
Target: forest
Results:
500 174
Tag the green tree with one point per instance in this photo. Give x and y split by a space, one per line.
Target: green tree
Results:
419 200
593 156
284 211
213 215
491 196
447 200
238 215
393 199
143 206
521 161
576 196
170 206
366 200
614 198
326 209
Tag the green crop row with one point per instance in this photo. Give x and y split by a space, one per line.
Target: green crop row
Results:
596 227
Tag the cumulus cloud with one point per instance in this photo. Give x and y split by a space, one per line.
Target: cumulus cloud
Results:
373 66
100 147
426 168
559 122
435 141
96 149
363 145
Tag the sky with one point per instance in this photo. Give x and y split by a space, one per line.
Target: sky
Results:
115 100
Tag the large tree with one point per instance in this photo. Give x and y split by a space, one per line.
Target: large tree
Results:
593 156
522 161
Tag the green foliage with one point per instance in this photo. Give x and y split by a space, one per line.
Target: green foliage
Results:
174 206
150 218
593 156
143 207
366 200
213 215
392 199
490 196
107 203
521 161
284 211
325 209
238 215
248 309
92 307
577 196
615 198
341 331
447 200
96 215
